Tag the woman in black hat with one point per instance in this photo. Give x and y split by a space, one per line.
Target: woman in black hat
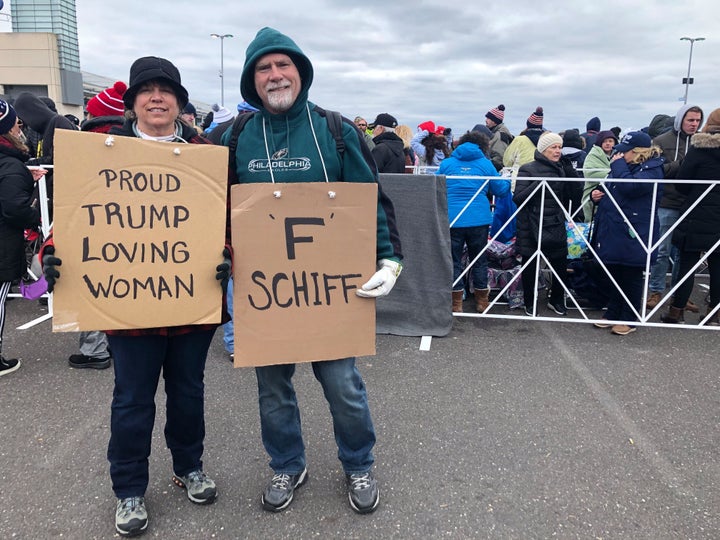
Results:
155 98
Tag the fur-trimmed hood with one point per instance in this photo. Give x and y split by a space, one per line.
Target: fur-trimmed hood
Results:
705 140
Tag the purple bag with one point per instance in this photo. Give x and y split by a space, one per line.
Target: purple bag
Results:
34 289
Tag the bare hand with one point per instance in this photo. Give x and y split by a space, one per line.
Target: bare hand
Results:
596 195
37 174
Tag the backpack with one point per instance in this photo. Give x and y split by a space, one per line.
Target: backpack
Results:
334 120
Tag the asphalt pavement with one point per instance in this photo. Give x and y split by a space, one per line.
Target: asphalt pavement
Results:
503 429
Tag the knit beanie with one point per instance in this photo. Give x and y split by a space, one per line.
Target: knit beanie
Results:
547 139
593 124
535 120
221 114
109 102
497 114
712 125
571 138
8 118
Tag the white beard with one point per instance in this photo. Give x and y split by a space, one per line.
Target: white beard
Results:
280 100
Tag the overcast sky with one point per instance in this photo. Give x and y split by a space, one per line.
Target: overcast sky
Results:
447 62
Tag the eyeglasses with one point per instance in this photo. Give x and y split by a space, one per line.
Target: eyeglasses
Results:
362 125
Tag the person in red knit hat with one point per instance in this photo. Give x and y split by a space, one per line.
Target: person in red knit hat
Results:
109 102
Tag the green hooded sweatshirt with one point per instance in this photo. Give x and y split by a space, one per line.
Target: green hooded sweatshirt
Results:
283 146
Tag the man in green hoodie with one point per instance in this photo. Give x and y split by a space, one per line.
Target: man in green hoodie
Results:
289 140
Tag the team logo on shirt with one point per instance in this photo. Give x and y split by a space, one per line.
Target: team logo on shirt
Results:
279 164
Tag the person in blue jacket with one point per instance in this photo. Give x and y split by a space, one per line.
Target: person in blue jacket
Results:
469 212
617 233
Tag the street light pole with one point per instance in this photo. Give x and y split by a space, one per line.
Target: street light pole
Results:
688 81
222 37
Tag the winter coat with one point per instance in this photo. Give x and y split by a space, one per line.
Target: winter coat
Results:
420 150
554 233
522 148
296 139
215 134
615 242
501 139
701 228
102 124
39 117
468 160
388 153
17 212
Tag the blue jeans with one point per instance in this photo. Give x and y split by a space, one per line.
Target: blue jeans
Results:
476 239
345 393
138 362
666 251
228 328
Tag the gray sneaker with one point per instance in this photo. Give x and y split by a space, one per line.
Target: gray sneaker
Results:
199 486
131 518
279 492
363 492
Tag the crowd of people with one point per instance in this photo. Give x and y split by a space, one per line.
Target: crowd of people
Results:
595 176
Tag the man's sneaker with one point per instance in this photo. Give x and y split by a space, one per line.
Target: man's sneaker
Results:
558 307
363 492
8 365
81 361
279 492
199 486
131 518
622 329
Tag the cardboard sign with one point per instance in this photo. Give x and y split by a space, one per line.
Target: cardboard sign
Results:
140 227
301 250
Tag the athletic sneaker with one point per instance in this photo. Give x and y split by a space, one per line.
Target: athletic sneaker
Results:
602 324
363 492
558 307
199 486
622 329
279 492
131 518
8 365
80 361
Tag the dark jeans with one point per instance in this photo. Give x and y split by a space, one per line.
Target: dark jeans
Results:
138 362
631 281
687 261
557 293
476 239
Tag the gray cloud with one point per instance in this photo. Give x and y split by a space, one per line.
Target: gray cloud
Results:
422 60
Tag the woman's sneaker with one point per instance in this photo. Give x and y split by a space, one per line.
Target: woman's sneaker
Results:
131 518
8 365
199 486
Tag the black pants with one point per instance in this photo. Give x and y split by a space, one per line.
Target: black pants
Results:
557 293
687 261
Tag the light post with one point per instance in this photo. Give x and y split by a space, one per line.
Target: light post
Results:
687 80
221 37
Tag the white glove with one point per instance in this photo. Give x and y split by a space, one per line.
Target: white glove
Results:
382 281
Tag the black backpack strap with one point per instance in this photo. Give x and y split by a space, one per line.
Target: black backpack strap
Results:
237 127
335 122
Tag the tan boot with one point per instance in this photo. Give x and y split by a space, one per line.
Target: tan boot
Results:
692 306
457 299
674 316
481 299
653 300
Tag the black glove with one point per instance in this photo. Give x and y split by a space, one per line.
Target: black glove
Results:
223 269
50 262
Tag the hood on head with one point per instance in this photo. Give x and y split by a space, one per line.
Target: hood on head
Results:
268 40
680 116
33 111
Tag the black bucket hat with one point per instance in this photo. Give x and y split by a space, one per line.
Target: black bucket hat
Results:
152 68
